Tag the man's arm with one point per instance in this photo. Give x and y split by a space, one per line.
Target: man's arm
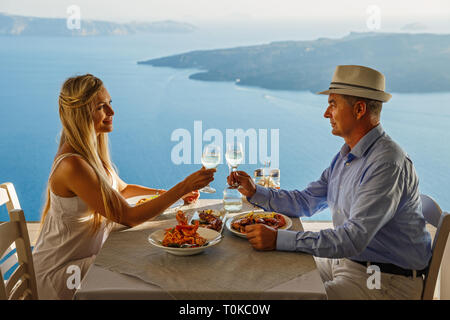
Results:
294 203
376 201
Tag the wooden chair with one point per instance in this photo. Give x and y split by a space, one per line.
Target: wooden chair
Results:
441 220
14 235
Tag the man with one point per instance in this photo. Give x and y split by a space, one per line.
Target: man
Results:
371 188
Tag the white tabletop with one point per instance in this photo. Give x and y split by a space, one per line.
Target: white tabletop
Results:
100 283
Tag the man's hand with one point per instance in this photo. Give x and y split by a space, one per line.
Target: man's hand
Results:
246 184
261 237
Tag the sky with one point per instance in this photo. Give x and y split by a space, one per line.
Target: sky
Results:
196 10
398 15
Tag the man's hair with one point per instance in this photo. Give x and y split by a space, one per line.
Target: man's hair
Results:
374 106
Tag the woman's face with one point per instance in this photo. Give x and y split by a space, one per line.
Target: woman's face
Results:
103 112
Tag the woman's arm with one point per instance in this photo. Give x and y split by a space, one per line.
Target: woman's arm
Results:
80 178
132 190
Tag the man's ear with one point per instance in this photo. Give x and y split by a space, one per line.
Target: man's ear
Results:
359 109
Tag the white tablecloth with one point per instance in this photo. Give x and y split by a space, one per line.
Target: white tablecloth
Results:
100 283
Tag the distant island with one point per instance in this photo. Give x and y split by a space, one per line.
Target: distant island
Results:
32 26
411 62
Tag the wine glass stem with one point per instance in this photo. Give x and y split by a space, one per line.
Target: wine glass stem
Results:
234 169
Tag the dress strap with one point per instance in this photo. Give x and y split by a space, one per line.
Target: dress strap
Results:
65 155
59 159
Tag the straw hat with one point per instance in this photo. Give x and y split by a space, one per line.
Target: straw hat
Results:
358 81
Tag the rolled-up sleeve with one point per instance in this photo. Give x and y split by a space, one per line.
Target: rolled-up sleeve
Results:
374 204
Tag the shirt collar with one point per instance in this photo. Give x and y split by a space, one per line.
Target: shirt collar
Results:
363 144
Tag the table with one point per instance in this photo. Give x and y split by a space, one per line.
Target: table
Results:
103 283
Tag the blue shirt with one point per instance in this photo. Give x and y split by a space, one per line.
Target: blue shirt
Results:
372 192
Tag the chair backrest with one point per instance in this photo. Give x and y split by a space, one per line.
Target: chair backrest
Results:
14 235
431 210
441 220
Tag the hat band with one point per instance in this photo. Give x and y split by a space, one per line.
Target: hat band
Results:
347 85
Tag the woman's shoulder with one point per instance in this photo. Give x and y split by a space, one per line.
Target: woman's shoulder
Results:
67 169
67 159
74 166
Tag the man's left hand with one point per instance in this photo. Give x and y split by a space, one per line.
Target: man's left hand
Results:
261 237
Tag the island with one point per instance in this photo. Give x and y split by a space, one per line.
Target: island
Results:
411 62
14 25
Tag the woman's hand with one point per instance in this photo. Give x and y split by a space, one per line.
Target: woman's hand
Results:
246 184
198 179
191 197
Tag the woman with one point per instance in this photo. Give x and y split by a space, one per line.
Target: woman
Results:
85 195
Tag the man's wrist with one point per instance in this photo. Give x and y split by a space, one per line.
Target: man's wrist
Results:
260 196
274 244
252 193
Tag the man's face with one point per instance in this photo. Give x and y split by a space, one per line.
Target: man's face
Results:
341 115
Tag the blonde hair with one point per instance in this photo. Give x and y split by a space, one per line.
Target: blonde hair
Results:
76 99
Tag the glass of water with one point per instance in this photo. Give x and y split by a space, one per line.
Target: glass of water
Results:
258 177
210 160
275 178
232 200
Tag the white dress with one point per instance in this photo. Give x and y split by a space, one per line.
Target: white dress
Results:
65 244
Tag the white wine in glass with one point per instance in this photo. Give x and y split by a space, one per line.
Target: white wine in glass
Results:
234 155
210 160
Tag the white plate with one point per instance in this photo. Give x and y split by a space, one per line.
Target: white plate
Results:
133 200
242 235
212 236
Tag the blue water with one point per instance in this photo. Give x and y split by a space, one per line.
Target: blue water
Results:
150 103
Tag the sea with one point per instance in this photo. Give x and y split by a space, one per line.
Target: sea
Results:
152 104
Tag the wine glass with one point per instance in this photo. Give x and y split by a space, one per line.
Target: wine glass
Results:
210 160
234 157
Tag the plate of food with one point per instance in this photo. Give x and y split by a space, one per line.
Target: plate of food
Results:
184 239
211 219
273 219
141 199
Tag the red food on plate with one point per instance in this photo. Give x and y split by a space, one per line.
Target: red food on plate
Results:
274 220
183 234
208 220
